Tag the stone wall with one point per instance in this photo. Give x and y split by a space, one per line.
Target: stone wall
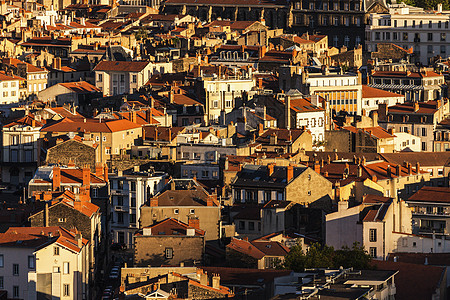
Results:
79 153
150 250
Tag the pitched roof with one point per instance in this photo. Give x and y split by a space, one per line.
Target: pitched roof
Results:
29 67
423 158
371 92
80 87
121 66
28 120
92 125
284 136
430 107
431 194
69 176
171 226
377 132
195 196
405 74
256 175
241 276
271 248
302 105
245 247
258 248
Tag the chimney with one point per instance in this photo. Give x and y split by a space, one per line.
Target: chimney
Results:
270 168
337 191
57 63
388 171
46 215
260 129
287 121
47 195
79 239
391 131
375 119
203 278
260 83
289 173
148 115
417 167
397 170
99 170
316 167
374 178
105 173
172 185
56 178
409 169
215 281
86 176
210 200
194 222
382 111
171 96
359 171
154 202
77 205
416 106
85 194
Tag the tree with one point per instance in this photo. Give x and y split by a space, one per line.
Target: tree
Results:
356 257
295 260
319 256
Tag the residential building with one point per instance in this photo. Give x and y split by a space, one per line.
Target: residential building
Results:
115 137
405 141
256 184
411 27
20 149
284 140
129 191
36 78
184 199
169 242
418 118
119 77
431 211
10 88
256 254
424 85
44 262
372 97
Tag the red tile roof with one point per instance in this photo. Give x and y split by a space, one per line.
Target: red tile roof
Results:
30 68
370 92
26 121
432 194
80 87
245 247
171 226
284 136
121 66
92 125
302 105
377 132
429 107
259 248
405 74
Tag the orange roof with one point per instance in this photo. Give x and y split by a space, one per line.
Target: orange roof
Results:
302 105
80 87
377 132
121 66
370 92
26 121
405 74
245 247
171 225
67 125
15 62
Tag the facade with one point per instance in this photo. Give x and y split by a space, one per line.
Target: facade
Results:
20 149
129 192
10 88
119 77
411 27
372 97
169 242
44 262
36 78
184 199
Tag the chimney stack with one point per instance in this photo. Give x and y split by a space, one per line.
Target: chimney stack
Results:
270 168
417 167
397 170
86 176
290 173
287 121
316 167
99 170
416 106
154 202
105 173
46 215
56 178
194 222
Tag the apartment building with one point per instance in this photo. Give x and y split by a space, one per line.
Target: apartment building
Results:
119 77
36 78
129 191
10 88
20 149
44 262
411 27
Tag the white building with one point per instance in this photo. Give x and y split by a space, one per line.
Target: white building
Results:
46 261
119 77
407 141
9 88
371 97
221 94
128 193
411 27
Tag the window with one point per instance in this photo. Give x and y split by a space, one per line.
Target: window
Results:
430 49
395 23
31 264
373 251
443 50
5 94
133 218
424 132
405 36
430 24
377 36
120 217
1 261
61 220
5 84
15 291
13 93
241 225
443 37
66 268
2 285
251 226
176 211
100 77
372 235
66 290
16 269
430 36
169 253
56 251
55 269
192 211
13 84
134 78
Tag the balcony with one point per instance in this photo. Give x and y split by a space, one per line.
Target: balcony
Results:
121 208
428 230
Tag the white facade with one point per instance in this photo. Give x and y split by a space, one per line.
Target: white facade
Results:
403 140
128 194
315 122
369 104
9 90
427 32
221 94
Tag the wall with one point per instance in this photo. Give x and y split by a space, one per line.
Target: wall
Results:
150 250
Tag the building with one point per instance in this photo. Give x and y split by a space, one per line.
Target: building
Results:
418 118
119 77
184 199
284 140
260 184
44 262
169 242
10 88
372 97
36 78
20 149
78 94
129 191
430 209
258 254
424 85
115 137
411 27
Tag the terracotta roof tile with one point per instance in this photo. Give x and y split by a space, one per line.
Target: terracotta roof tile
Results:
370 92
121 66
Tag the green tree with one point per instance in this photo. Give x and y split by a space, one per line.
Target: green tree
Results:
356 257
319 256
141 34
295 260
